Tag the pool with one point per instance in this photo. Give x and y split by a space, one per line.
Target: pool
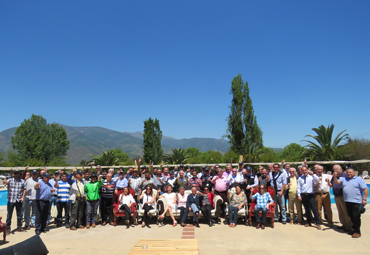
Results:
3 197
332 196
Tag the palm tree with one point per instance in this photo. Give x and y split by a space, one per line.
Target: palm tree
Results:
253 154
176 156
109 158
326 148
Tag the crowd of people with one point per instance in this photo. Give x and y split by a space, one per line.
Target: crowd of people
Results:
87 196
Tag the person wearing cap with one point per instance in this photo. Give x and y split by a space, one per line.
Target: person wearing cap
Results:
30 200
241 167
279 182
250 181
78 200
181 180
144 170
171 181
16 193
189 172
121 181
92 199
44 191
53 200
355 194
63 186
86 178
207 180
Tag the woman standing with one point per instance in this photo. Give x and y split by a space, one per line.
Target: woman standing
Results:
181 205
237 201
125 202
171 203
148 204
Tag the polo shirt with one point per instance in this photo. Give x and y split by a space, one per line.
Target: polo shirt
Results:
44 191
120 184
338 188
221 184
63 191
108 188
352 189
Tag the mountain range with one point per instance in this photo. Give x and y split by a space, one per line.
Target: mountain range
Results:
87 141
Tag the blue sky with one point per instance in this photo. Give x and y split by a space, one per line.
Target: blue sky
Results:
116 63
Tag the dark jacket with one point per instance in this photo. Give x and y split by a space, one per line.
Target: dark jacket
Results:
191 200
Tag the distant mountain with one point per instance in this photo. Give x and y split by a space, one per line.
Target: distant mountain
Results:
87 141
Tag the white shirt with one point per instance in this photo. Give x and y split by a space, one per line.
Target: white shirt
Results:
322 186
126 200
238 178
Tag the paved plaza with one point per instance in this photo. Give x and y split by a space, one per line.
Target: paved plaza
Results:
220 239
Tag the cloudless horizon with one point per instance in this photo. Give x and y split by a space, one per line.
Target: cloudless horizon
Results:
115 64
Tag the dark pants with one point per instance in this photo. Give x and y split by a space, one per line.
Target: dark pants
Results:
92 209
61 206
206 211
233 214
308 201
223 195
257 211
127 211
183 214
107 209
10 208
146 208
76 211
42 212
354 213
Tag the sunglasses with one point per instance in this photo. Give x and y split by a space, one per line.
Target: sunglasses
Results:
262 188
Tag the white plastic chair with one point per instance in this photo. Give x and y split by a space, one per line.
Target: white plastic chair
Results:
365 175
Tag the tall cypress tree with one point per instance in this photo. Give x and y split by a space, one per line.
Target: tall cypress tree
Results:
243 131
152 141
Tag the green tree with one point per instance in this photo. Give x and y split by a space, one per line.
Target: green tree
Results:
193 152
243 131
325 147
292 152
268 155
230 155
152 141
176 156
34 138
110 158
211 157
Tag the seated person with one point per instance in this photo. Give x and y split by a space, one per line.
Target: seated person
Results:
264 200
171 203
125 202
182 198
148 204
237 201
207 205
193 204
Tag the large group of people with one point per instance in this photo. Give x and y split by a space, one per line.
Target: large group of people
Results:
87 197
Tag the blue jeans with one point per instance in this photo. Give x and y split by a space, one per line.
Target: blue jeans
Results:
280 202
233 214
183 214
10 208
92 208
28 206
195 209
257 211
53 200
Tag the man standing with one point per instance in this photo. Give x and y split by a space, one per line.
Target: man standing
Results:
107 194
160 181
278 182
181 180
134 182
344 218
264 178
43 196
305 192
54 194
221 185
322 194
234 177
30 201
16 193
227 172
78 199
250 181
195 181
63 202
207 180
353 187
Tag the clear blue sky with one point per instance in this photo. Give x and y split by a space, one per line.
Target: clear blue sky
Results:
116 63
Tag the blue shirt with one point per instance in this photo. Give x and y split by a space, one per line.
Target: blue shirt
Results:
44 191
63 191
352 189
52 182
306 184
262 200
121 183
280 178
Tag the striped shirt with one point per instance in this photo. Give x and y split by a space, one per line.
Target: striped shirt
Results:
108 188
63 191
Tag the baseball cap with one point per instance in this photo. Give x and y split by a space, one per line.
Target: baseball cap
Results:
34 171
249 168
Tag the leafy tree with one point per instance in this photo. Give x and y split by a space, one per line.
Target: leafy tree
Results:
34 138
211 157
109 158
176 156
83 162
292 152
356 149
193 152
243 131
230 155
152 141
268 155
325 147
253 154
123 156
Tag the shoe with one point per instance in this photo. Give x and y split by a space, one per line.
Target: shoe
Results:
27 228
8 232
81 227
21 230
174 224
45 230
104 223
262 226
308 225
341 227
68 226
218 220
88 226
291 222
350 232
318 227
196 224
37 232
111 223
93 225
197 214
299 223
73 228
183 224
330 225
258 225
210 224
161 217
143 224
284 222
356 235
